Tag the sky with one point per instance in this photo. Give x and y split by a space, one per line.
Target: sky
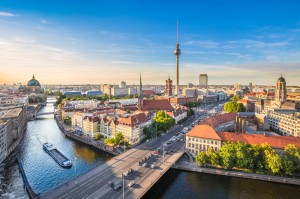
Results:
96 42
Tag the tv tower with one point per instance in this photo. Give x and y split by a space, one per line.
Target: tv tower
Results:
177 52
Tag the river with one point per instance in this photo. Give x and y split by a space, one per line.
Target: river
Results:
44 173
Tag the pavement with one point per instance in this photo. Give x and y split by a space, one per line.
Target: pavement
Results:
94 184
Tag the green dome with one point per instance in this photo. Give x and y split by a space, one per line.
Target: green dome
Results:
33 82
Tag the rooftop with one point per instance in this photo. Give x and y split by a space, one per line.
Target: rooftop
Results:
204 131
12 113
278 142
216 120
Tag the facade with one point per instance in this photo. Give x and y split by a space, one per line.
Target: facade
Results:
169 87
3 147
118 91
93 93
190 92
122 84
203 81
177 115
201 137
287 124
132 127
77 120
91 126
280 93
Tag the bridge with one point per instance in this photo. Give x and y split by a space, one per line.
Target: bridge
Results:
45 113
95 183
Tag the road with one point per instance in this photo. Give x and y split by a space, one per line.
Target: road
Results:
94 184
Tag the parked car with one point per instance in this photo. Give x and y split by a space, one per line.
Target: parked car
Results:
131 184
152 166
145 164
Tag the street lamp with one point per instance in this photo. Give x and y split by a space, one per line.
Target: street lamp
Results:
123 178
163 146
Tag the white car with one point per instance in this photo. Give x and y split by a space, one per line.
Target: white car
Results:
152 166
145 164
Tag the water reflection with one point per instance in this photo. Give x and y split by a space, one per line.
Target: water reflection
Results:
42 171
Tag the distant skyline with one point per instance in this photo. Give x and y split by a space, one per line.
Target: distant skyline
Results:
96 42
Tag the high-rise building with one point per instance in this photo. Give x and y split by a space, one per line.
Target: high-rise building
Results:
203 79
250 87
177 52
168 90
122 84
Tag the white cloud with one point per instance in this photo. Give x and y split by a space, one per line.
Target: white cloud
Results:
6 14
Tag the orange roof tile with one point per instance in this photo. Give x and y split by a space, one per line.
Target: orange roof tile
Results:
204 131
157 104
278 142
216 120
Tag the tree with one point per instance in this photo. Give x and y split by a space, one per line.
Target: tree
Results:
212 157
227 155
291 160
273 163
256 162
119 138
110 141
243 157
201 158
234 106
163 121
98 136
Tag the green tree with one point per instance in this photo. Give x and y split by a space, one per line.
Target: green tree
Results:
243 157
273 163
212 157
163 121
291 160
227 155
119 138
256 162
98 136
201 158
110 141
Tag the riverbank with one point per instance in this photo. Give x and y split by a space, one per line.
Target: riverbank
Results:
184 165
85 139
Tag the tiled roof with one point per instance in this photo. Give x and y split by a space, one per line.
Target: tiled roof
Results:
92 119
204 131
134 119
216 120
278 142
148 92
175 113
157 104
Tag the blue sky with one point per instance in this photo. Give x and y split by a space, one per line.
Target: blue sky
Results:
108 41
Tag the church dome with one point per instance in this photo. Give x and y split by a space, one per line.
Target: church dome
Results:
280 79
33 82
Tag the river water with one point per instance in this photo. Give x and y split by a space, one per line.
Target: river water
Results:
44 173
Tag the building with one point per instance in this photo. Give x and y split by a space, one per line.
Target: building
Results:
118 91
190 92
72 93
222 122
250 87
122 84
132 127
91 126
34 86
3 147
178 114
203 81
285 122
93 93
276 142
190 85
201 137
237 86
169 87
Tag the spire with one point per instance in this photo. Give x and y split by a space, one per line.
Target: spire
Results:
177 33
33 76
141 87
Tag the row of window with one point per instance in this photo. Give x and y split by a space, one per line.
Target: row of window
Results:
203 140
201 147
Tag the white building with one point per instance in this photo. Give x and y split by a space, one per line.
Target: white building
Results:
3 148
122 84
286 122
119 91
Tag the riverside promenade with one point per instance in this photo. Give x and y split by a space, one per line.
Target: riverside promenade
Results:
185 165
85 139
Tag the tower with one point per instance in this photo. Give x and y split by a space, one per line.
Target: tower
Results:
168 91
140 100
280 94
177 52
203 79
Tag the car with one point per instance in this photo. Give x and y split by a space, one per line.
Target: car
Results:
130 184
181 140
117 186
147 140
152 166
145 164
111 184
